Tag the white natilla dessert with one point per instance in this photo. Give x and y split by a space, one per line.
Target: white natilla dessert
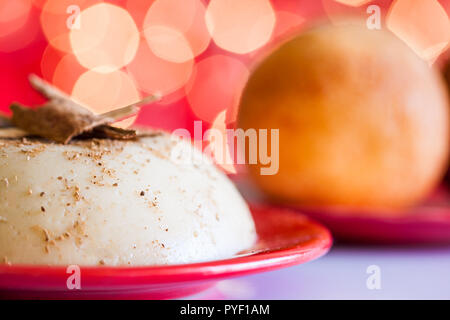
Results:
114 202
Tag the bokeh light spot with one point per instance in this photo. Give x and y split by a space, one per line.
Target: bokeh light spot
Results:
240 26
39 3
168 44
13 16
102 92
422 24
155 75
107 39
19 38
353 3
67 73
287 24
351 12
176 25
49 61
55 20
216 85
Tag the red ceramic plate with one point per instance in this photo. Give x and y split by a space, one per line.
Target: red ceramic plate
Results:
286 238
428 223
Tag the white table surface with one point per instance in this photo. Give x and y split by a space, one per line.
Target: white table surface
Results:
405 273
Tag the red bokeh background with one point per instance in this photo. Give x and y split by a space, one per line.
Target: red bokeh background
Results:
218 74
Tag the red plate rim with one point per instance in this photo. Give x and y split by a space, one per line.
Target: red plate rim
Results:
425 224
21 277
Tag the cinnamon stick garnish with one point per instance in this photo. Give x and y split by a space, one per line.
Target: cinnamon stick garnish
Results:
61 118
5 122
51 92
56 120
130 110
46 89
110 132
